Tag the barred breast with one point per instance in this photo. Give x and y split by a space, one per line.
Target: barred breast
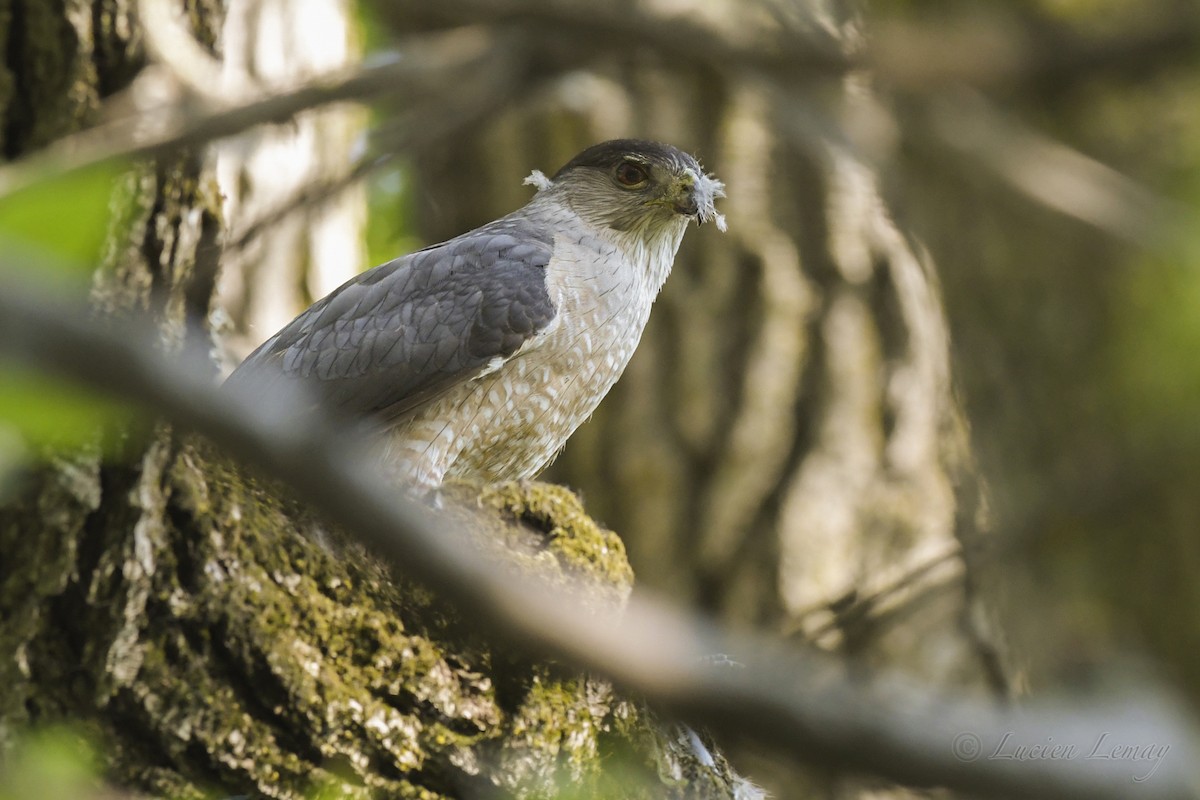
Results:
510 423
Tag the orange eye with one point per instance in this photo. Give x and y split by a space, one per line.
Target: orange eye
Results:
630 173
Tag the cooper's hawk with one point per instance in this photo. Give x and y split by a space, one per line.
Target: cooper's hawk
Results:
479 356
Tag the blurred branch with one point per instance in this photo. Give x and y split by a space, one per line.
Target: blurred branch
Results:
1002 48
313 195
171 44
1156 36
800 707
1053 174
558 38
985 50
851 608
434 67
416 129
587 27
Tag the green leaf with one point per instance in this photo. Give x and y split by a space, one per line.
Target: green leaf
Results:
49 413
389 225
52 764
66 216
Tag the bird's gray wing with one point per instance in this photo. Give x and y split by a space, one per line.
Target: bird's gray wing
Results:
399 335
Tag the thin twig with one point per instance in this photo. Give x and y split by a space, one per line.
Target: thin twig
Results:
311 195
854 606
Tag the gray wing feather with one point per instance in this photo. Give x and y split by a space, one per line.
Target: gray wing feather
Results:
394 338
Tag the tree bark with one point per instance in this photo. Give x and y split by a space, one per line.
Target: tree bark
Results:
193 627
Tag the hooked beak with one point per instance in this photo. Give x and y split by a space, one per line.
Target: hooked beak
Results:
684 198
693 196
687 206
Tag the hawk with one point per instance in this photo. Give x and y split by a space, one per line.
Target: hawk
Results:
478 357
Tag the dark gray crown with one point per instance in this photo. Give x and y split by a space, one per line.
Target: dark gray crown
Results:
607 155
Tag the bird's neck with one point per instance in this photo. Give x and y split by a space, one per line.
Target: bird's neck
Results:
654 251
650 247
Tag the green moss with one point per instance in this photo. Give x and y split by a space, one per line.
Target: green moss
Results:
225 649
581 545
267 660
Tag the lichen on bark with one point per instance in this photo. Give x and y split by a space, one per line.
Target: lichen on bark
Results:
216 643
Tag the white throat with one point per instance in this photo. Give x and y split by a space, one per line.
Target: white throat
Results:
652 251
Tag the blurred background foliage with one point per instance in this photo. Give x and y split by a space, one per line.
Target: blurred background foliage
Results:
55 763
58 228
1078 354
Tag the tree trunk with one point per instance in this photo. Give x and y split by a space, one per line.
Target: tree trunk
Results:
183 615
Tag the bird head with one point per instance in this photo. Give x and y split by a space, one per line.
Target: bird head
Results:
636 186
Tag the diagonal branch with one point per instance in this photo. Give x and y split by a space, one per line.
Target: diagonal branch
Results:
411 132
1055 175
621 28
799 707
427 68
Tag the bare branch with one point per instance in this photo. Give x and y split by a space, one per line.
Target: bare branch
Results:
796 706
982 49
171 44
1055 175
845 611
312 195
415 129
426 68
1003 48
612 28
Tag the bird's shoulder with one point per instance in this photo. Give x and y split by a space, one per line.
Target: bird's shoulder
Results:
401 333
